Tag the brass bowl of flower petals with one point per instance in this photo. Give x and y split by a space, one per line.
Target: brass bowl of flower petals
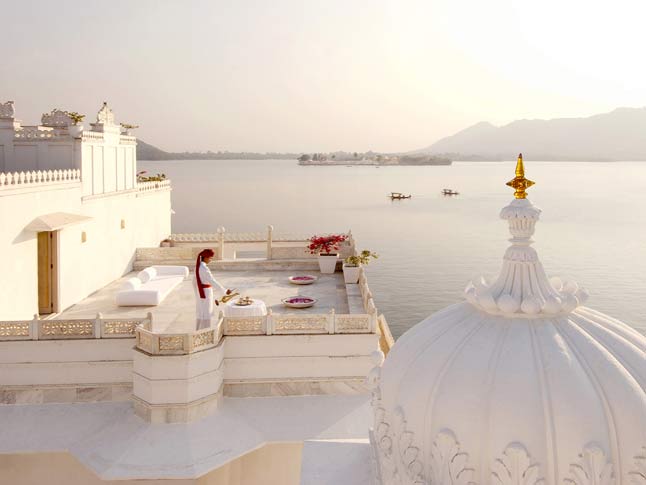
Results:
305 279
299 301
243 301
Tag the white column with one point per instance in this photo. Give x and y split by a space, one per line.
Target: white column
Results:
270 236
221 230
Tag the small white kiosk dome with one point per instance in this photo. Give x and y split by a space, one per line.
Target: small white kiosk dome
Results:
519 385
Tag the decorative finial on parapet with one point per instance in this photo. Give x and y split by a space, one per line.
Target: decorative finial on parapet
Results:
7 110
105 115
519 182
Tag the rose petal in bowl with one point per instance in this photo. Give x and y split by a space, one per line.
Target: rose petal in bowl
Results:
302 279
299 301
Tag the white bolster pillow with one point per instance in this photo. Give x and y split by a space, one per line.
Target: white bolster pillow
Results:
171 270
131 284
147 274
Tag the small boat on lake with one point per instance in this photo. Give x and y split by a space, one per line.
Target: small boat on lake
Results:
449 192
399 196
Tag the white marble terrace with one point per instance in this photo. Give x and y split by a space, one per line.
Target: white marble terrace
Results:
176 314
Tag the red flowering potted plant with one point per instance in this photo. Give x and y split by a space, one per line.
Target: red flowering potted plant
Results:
327 248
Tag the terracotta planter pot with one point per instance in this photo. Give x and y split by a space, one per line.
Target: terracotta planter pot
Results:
351 274
327 262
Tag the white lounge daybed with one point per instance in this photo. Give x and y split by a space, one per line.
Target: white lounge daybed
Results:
151 285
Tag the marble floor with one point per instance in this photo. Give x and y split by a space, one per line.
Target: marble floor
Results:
177 312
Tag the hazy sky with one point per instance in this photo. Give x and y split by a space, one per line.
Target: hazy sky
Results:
278 75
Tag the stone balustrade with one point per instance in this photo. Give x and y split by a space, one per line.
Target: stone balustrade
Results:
176 343
241 237
34 133
386 340
233 237
127 140
23 179
299 324
92 136
271 324
194 237
89 328
277 246
366 294
153 186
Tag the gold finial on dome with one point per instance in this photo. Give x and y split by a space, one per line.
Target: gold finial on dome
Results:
520 183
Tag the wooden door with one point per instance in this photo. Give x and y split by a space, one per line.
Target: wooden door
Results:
46 272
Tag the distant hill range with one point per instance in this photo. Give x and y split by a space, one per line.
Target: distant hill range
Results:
145 151
614 136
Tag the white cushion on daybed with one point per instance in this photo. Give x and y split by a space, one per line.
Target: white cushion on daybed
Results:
131 284
151 285
147 274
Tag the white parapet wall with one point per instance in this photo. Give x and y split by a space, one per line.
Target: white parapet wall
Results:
57 371
182 388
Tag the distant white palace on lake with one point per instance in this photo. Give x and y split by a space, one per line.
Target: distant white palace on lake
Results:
106 378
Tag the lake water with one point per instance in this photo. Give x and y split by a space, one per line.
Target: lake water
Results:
592 229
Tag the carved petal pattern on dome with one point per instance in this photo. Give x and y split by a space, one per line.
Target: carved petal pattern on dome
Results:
638 476
409 455
515 467
399 459
593 468
384 444
448 463
382 432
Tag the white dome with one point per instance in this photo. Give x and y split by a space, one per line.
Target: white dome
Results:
518 385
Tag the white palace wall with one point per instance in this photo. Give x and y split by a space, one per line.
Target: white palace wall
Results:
83 267
94 177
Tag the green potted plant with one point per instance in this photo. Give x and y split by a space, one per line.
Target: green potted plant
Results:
76 128
352 265
327 248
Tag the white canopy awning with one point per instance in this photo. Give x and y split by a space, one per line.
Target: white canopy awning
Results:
55 221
